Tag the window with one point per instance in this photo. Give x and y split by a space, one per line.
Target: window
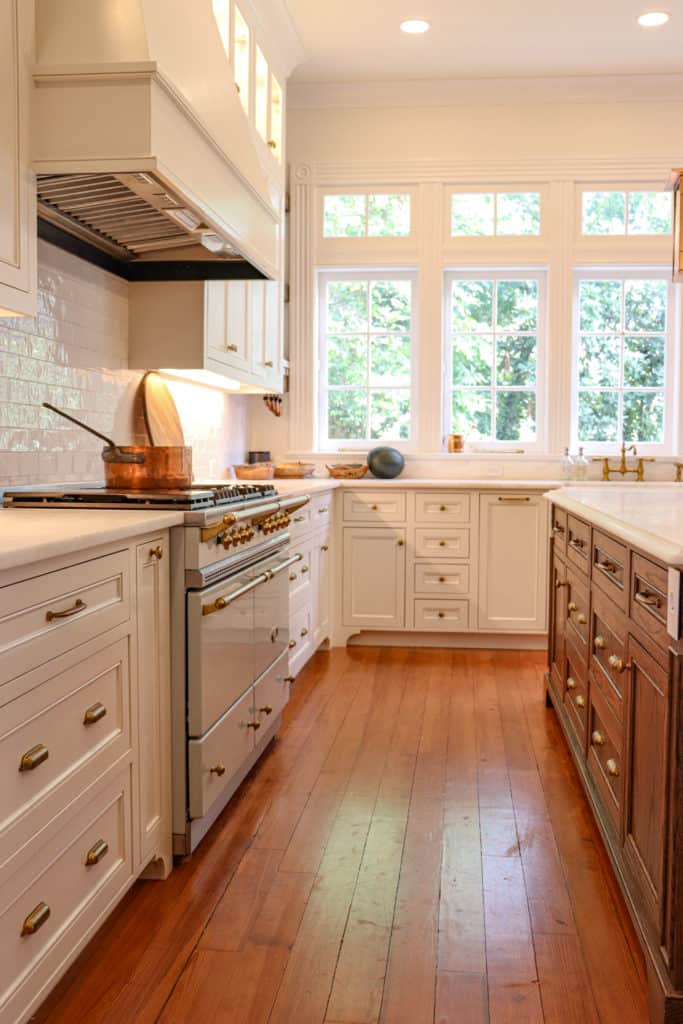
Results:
625 213
241 59
477 214
377 215
623 330
367 332
495 330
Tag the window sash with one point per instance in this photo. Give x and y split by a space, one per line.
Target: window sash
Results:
495 236
325 443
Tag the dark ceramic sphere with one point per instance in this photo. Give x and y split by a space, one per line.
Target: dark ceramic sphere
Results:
385 463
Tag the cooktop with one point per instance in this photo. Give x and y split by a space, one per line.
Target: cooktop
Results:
199 496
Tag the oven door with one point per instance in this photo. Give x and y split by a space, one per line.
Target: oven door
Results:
236 629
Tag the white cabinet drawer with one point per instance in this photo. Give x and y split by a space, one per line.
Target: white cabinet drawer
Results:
219 754
451 616
444 543
58 875
446 580
374 506
43 617
300 575
271 693
321 510
442 507
300 522
301 635
72 727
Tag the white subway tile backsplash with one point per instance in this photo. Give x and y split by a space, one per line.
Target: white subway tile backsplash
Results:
74 354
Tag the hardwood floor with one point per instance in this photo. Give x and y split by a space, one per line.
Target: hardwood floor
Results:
414 848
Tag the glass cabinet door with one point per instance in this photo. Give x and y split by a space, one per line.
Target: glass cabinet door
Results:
241 58
261 94
275 140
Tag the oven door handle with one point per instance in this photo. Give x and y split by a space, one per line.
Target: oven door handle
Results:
283 565
222 602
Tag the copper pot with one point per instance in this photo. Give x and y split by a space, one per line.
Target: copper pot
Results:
142 467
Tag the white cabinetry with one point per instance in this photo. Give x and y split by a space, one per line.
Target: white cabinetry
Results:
374 577
18 281
310 581
512 560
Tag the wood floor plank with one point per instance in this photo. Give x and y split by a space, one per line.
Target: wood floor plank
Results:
566 993
461 998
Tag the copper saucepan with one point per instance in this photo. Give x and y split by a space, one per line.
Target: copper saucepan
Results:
141 467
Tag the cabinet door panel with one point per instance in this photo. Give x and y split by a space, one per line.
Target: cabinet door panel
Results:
512 562
322 582
226 324
558 620
374 577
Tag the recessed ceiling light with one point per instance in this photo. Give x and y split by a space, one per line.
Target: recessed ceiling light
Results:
415 26
652 19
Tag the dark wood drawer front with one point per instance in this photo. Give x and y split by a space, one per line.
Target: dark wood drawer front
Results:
648 599
604 758
608 652
559 528
576 696
579 543
578 609
609 568
556 638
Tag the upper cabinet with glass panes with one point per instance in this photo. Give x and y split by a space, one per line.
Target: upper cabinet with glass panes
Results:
495 214
260 92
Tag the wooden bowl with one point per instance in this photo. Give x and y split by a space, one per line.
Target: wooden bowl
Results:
293 470
255 471
348 471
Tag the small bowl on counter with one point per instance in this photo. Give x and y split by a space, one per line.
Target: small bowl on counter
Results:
293 470
348 471
255 471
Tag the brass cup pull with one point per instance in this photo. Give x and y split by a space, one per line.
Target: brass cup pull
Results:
581 619
33 757
266 710
580 701
253 725
599 643
157 552
36 919
572 606
609 567
218 769
78 606
597 739
293 576
649 600
612 767
304 632
291 644
232 348
95 713
96 853
571 683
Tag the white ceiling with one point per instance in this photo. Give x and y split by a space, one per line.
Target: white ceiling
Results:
360 40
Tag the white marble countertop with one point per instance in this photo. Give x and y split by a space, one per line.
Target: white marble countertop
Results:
647 516
313 485
32 535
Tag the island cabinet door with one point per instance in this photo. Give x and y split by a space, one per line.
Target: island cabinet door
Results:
374 577
557 626
647 768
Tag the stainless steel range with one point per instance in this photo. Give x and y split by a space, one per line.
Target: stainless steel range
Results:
229 631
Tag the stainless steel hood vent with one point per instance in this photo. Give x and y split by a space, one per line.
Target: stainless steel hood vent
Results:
133 225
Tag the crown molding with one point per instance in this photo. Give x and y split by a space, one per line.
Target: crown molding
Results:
303 95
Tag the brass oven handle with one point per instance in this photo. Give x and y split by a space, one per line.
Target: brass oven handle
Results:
36 919
95 713
33 757
648 600
222 602
612 767
597 739
78 606
96 853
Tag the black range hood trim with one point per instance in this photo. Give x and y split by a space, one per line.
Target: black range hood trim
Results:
149 270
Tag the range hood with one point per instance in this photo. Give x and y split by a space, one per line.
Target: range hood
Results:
145 161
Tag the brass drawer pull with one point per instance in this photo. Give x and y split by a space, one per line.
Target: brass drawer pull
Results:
648 600
514 497
95 713
232 348
374 507
218 769
572 606
571 683
36 919
304 632
612 767
269 363
291 644
558 529
442 615
289 679
560 583
576 542
96 853
597 739
581 619
266 710
323 510
442 508
78 606
325 547
401 543
615 662
442 543
580 701
272 143
157 552
33 757
599 643
253 725
299 519
608 567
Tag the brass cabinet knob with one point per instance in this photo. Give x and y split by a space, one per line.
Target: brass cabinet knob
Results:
268 363
442 543
304 568
36 919
272 143
374 507
442 508
304 632
288 679
33 757
572 606
96 853
612 767
293 576
597 739
442 579
614 662
218 769
581 619
580 701
253 725
157 552
232 348
325 547
599 643
291 644
442 615
94 714
571 683
266 710
401 543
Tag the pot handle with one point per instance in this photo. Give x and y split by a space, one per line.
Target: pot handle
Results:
112 453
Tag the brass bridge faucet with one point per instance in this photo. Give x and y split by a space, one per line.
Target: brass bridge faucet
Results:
622 469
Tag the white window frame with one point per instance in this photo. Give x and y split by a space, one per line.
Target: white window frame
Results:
611 272
461 241
366 243
516 273
325 444
626 239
